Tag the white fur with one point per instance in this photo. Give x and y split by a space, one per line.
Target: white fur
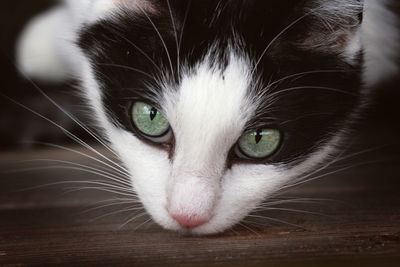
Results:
43 50
381 41
338 27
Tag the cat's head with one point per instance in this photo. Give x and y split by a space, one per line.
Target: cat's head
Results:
213 106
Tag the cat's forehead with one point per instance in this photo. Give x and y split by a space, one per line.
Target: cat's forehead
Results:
211 105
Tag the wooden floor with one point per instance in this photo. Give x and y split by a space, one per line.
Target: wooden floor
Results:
357 223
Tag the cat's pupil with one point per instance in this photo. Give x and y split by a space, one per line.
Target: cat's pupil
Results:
258 136
153 113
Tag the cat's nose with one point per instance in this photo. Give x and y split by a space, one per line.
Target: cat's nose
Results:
189 221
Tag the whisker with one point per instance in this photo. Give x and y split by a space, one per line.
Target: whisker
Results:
74 137
248 228
128 68
122 170
132 219
67 168
102 183
161 38
80 167
275 39
334 172
109 205
176 36
306 116
137 48
301 74
142 224
291 210
76 189
276 220
335 160
95 167
115 212
293 201
63 110
311 87
115 199
184 23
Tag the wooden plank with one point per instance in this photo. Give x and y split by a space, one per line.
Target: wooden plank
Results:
45 226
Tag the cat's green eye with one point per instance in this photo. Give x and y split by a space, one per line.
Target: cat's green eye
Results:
259 144
148 120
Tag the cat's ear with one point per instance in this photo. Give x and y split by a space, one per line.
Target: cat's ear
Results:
333 26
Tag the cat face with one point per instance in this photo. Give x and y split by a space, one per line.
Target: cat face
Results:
214 106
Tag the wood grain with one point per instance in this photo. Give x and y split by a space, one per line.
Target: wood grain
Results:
360 224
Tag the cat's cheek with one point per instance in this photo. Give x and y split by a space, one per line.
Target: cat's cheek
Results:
149 169
243 189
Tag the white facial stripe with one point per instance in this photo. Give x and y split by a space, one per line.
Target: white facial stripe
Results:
208 113
209 108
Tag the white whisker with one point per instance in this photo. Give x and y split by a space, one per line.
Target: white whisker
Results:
115 212
80 167
293 201
176 36
142 224
184 23
102 183
95 167
76 189
338 158
275 220
161 38
110 205
128 68
291 210
132 219
69 115
248 228
275 39
71 135
311 87
336 171
122 170
137 48
67 168
300 74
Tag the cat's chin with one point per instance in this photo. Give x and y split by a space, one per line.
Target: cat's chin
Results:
218 224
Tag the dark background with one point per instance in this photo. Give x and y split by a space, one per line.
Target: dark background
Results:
20 129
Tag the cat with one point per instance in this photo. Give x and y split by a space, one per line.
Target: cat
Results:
214 106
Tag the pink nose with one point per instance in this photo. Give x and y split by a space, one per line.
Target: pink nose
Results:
189 222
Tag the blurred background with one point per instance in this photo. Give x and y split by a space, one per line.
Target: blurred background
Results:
20 129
